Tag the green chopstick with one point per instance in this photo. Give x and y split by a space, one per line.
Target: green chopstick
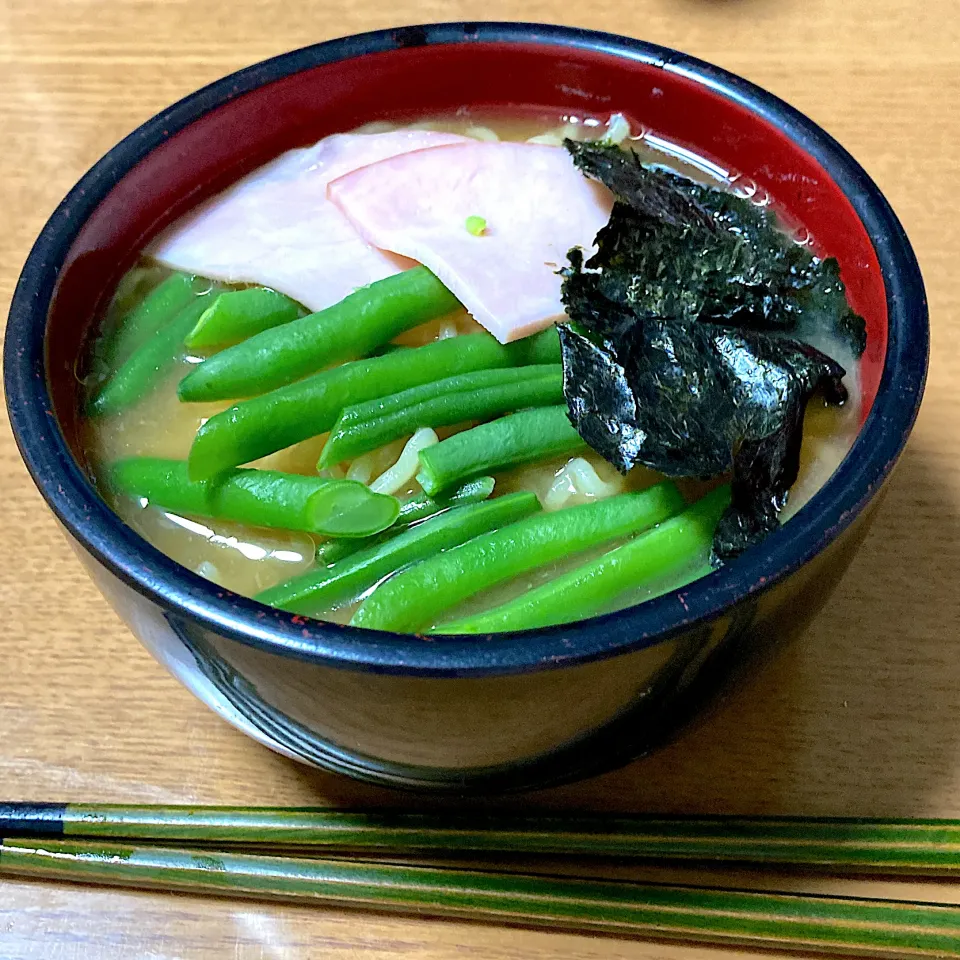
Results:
841 925
929 847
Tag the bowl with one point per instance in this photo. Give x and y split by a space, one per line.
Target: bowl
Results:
494 713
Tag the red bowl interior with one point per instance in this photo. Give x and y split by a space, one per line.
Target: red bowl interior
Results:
235 138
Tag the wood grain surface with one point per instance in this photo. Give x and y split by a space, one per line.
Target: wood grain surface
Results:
862 716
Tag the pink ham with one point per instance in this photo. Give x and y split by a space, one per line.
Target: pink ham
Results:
276 227
536 206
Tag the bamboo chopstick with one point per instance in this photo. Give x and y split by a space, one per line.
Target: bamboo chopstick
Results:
865 927
926 847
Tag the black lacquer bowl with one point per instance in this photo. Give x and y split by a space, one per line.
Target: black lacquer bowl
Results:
510 711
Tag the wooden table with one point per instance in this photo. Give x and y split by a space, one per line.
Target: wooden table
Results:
861 717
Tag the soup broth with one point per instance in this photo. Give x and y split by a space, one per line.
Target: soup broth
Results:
250 559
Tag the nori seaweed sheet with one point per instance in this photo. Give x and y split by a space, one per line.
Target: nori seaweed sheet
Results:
686 351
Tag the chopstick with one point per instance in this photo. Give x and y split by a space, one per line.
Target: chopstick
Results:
842 925
915 847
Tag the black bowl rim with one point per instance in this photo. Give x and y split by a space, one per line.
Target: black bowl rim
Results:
183 594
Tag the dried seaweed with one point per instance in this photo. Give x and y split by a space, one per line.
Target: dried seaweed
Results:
683 250
684 351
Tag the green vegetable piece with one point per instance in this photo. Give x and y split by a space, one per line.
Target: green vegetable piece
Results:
330 551
238 314
507 442
388 348
263 498
384 406
666 556
146 366
320 589
415 598
132 289
423 506
351 328
345 508
158 308
252 429
411 511
541 348
450 403
476 225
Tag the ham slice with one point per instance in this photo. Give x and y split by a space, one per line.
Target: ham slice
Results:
536 205
276 227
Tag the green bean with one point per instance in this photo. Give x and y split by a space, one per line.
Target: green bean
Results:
421 507
336 548
320 589
477 380
345 508
388 348
146 366
238 314
132 289
263 498
365 319
158 308
507 442
667 557
252 429
540 348
447 406
416 597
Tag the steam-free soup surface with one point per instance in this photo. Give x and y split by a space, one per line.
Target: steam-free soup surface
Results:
250 559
